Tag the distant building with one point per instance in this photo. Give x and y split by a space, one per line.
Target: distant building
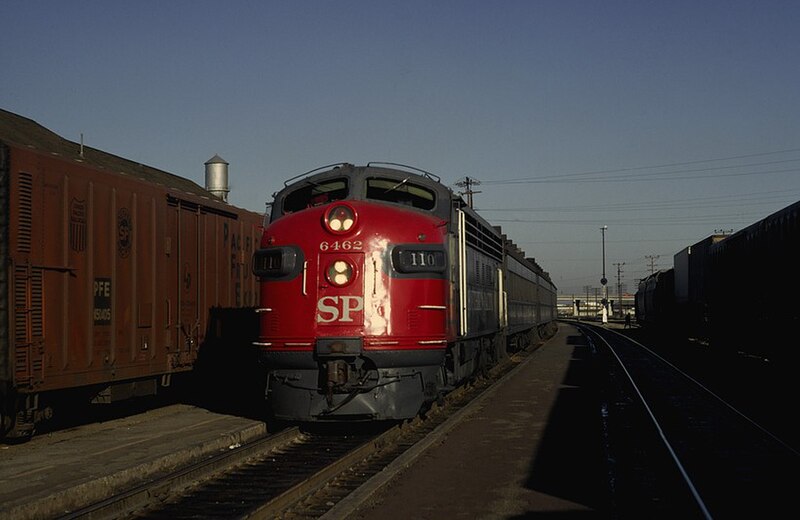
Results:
593 306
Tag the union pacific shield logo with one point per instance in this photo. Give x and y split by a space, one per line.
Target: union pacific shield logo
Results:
124 230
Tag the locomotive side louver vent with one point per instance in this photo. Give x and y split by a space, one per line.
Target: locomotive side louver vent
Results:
483 239
25 212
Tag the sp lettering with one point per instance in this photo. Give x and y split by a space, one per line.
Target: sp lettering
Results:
338 309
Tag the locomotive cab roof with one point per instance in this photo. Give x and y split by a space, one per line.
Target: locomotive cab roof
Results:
415 189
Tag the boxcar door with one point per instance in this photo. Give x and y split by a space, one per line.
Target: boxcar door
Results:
189 278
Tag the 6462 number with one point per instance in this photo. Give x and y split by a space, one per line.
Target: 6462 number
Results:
343 245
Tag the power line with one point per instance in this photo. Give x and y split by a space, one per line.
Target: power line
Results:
752 199
561 177
653 221
540 242
660 176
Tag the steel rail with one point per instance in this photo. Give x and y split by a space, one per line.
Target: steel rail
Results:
144 494
709 391
676 459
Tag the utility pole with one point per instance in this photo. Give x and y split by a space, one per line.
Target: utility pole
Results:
652 259
467 184
619 285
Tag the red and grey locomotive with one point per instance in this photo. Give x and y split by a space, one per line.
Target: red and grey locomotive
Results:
380 289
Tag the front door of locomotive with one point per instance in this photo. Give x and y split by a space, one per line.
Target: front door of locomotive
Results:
340 293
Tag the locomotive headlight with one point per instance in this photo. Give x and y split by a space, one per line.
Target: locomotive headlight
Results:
340 219
340 273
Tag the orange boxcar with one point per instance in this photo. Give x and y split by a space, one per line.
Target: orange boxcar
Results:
109 272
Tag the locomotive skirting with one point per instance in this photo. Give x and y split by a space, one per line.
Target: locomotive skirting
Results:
398 393
396 384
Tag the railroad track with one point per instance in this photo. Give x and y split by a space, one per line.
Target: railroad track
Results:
294 474
676 449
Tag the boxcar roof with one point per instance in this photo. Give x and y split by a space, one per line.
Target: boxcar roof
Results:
15 129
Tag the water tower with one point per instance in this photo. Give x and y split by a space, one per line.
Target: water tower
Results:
217 177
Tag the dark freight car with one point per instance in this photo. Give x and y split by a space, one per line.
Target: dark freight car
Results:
737 291
691 287
655 300
109 271
754 286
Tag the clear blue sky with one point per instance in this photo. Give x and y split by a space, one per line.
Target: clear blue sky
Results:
525 96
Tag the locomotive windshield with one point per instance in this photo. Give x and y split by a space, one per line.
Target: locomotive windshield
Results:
315 194
401 192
